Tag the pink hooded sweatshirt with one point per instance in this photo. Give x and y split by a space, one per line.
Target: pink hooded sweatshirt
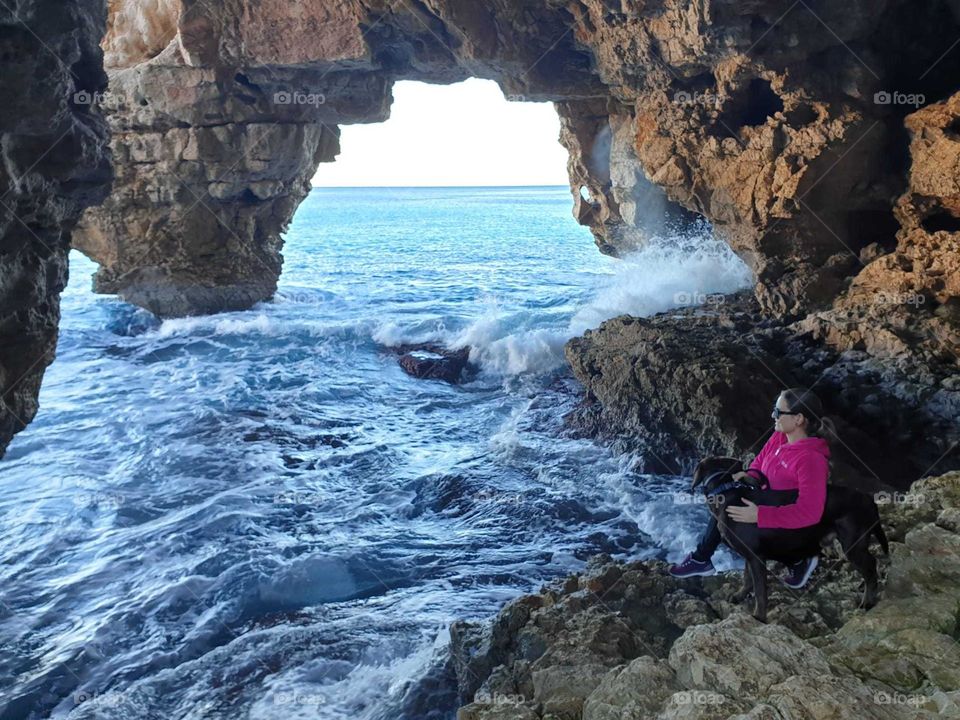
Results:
801 465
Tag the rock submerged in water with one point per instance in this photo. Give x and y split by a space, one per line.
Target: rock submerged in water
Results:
429 361
626 641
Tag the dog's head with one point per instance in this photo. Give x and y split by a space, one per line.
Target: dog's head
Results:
714 477
712 472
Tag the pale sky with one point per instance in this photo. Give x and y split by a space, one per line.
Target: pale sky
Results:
463 134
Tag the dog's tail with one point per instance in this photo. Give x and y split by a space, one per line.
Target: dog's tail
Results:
881 538
877 530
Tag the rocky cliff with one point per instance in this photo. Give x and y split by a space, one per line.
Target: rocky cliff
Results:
816 138
55 156
761 117
821 140
884 356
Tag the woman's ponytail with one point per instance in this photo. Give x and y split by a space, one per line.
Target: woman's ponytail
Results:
827 430
819 425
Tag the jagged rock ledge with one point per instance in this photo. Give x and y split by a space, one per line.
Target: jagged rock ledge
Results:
699 381
626 640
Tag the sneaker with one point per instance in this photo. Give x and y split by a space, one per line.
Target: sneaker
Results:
691 566
800 572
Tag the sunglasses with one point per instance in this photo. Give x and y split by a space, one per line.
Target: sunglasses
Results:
777 412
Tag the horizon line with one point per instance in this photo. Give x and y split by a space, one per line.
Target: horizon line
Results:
362 187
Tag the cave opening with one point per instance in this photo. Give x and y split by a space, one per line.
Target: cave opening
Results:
750 106
466 134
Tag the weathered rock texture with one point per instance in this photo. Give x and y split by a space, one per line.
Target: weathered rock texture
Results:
753 116
700 381
629 641
885 358
221 113
55 163
792 127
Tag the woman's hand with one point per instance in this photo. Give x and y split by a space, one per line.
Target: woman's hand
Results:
747 478
746 514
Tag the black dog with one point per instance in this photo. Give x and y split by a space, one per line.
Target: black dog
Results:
849 515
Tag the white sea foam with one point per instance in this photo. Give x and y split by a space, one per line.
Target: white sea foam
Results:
670 272
218 325
392 334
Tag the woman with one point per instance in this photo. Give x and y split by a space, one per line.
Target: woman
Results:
797 458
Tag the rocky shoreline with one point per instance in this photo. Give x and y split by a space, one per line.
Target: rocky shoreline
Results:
700 381
626 641
172 142
826 160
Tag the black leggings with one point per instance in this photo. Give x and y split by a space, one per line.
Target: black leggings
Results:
710 540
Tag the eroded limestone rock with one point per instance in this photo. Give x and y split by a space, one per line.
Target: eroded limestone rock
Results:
899 315
55 163
752 117
819 657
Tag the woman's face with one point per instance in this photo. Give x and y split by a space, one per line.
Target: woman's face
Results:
786 423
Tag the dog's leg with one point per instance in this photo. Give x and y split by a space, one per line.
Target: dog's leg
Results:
758 571
747 588
856 548
866 563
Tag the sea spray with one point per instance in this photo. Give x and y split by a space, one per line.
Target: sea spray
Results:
671 271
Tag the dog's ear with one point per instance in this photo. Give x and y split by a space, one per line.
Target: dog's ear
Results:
712 464
699 473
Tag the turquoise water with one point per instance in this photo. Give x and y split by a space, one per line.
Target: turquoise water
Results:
259 515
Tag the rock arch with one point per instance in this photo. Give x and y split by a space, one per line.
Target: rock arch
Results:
221 113
781 123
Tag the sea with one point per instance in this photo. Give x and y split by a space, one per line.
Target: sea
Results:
259 515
